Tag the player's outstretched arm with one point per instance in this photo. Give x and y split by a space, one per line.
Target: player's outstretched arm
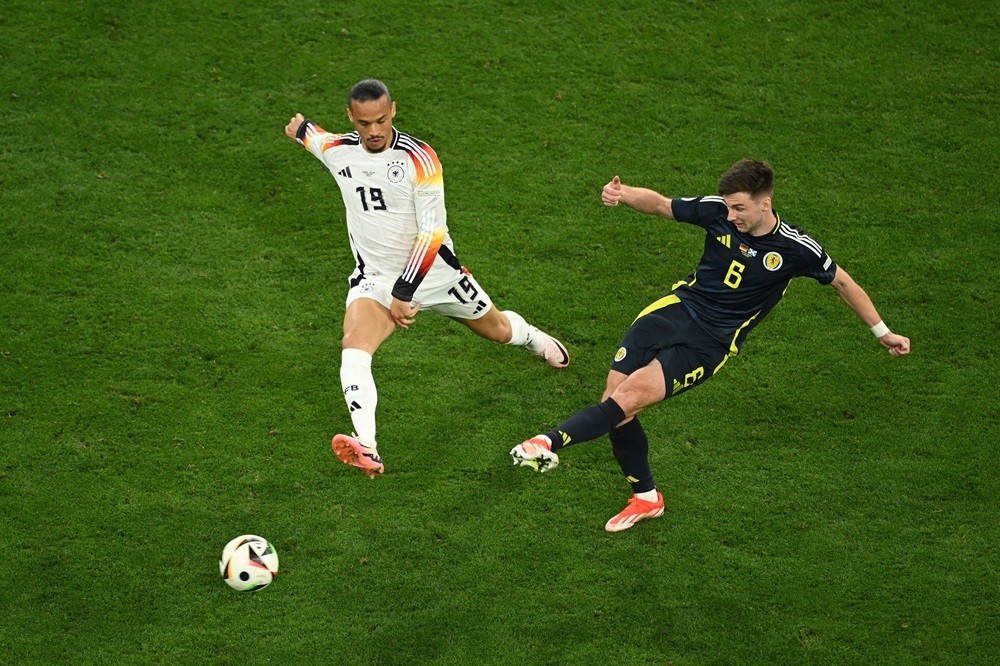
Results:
292 128
637 198
859 301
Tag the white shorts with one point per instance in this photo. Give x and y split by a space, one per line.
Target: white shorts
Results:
447 291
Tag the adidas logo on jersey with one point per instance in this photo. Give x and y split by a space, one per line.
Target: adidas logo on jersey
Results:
345 172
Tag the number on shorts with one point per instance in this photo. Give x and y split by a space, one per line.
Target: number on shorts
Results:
693 376
471 293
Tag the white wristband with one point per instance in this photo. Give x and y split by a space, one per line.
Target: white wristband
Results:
880 329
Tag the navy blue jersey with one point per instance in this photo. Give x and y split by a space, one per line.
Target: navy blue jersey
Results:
741 277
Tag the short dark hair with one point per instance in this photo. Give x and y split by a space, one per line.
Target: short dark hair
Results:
368 90
754 177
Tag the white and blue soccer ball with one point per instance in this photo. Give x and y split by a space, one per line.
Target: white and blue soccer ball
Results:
249 563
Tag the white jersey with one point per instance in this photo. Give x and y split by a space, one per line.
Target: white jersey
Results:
394 200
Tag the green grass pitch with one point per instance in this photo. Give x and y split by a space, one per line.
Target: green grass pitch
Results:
172 275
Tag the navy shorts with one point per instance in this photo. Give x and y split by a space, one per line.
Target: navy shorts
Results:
665 331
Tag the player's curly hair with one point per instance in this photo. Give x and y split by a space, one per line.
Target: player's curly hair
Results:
368 90
754 177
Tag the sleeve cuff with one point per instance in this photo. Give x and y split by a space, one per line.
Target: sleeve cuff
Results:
403 290
300 134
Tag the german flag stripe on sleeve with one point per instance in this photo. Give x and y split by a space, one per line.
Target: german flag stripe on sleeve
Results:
431 215
317 140
425 161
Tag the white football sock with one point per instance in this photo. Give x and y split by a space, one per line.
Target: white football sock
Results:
524 334
359 392
649 495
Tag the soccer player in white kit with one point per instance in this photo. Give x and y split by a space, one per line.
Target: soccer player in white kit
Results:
393 193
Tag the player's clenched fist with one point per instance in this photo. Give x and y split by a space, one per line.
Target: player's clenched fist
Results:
293 125
612 192
897 345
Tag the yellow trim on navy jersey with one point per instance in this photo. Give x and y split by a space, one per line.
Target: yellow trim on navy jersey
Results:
732 345
669 299
719 367
777 225
684 283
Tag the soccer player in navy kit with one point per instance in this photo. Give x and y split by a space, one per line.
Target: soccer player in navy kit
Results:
684 338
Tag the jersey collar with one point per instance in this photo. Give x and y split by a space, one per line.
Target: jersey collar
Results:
777 224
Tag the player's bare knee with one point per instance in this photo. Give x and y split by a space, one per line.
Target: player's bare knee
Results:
502 332
350 341
365 340
629 401
494 327
634 395
615 379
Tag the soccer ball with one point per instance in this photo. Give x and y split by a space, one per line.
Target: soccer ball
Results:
249 563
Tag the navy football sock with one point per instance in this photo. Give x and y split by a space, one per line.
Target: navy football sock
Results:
631 448
587 424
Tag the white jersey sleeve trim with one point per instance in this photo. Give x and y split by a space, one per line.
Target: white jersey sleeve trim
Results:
802 239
